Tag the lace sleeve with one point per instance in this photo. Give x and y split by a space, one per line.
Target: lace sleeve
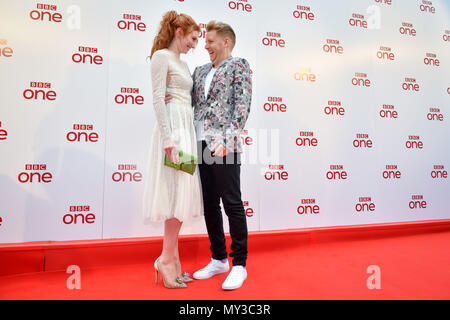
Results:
159 68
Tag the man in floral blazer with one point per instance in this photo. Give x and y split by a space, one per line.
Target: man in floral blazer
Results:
225 108
221 98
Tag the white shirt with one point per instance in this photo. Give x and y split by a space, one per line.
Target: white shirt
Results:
199 124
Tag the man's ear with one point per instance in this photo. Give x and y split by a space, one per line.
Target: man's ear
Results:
227 42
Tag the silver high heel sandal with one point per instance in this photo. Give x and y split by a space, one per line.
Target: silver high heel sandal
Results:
178 282
186 277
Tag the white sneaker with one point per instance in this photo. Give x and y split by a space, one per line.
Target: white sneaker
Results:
213 268
235 278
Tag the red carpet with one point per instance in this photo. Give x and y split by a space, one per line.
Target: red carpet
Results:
323 263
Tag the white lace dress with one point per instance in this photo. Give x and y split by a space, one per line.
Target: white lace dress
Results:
171 193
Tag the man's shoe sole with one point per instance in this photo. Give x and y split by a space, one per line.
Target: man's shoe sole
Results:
209 276
233 288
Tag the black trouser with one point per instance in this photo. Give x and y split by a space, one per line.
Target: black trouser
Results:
221 179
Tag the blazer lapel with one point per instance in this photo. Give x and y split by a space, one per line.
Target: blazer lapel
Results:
213 81
201 81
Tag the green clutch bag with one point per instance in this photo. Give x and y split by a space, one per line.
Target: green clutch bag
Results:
188 162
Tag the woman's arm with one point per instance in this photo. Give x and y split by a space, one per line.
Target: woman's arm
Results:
159 69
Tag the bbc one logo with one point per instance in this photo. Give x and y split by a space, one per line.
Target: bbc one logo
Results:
202 30
435 115
388 112
431 60
417 202
385 53
275 104
446 36
87 55
336 172
46 12
39 91
129 96
414 142
240 5
249 212
131 22
273 39
276 173
5 51
410 84
358 21
246 138
365 204
35 173
82 133
387 2
303 13
408 29
3 133
361 80
391 172
427 6
79 215
127 173
362 141
306 139
305 74
334 107
332 46
439 172
308 206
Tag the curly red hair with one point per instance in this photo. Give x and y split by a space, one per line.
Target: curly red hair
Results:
170 22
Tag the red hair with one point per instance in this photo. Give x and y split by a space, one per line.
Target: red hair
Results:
170 22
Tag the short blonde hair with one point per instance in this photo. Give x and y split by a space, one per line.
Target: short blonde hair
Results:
223 29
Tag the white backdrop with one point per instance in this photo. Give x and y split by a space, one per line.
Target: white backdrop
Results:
364 84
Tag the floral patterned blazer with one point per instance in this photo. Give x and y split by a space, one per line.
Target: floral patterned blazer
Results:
227 106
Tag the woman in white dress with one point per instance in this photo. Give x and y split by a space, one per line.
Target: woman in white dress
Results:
171 195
